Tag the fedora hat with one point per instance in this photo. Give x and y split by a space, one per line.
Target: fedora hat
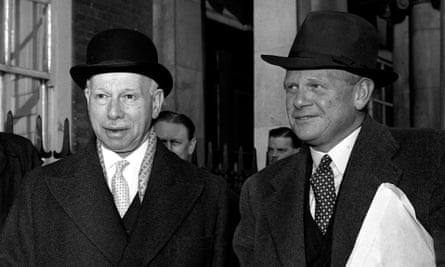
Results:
335 40
122 50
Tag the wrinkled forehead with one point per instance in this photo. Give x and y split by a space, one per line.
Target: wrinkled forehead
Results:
322 75
126 80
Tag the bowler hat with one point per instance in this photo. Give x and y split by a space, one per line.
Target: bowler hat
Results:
335 40
122 50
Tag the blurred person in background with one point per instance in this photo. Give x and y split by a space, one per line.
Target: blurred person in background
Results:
17 156
177 132
282 143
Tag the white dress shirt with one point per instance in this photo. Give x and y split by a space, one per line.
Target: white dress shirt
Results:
131 172
339 154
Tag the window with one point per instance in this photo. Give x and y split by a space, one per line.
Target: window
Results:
381 107
25 63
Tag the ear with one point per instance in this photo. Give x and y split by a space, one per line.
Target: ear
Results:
363 92
191 146
157 101
86 93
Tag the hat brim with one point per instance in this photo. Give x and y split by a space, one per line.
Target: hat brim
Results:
80 73
380 77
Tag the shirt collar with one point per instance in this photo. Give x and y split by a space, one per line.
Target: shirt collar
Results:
135 158
340 153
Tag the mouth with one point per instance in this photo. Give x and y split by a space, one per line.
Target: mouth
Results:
115 131
304 117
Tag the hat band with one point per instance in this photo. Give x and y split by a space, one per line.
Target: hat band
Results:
343 60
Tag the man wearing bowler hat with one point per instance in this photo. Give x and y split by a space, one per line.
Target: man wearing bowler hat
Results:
123 200
308 209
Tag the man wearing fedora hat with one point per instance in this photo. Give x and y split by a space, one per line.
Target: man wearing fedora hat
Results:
123 200
308 209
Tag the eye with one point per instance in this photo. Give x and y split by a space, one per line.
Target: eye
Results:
316 86
101 98
291 88
129 98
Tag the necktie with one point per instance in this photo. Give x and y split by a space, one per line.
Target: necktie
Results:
119 188
322 182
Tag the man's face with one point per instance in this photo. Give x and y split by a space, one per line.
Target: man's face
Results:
121 106
175 138
280 148
323 106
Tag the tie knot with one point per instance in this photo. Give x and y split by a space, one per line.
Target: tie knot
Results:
325 161
121 165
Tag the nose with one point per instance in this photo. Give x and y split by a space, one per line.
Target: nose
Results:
274 154
169 146
300 98
115 109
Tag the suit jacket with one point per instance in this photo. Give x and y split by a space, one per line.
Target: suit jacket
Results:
65 216
271 230
17 156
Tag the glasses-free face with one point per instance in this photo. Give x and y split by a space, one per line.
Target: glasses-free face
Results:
175 138
121 106
279 148
324 106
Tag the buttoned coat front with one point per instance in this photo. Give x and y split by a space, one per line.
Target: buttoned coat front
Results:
65 216
271 230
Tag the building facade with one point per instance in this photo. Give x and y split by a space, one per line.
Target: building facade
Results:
212 49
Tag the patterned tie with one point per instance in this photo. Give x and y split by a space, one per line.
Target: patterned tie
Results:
322 182
119 188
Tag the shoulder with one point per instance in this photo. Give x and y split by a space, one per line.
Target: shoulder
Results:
420 140
419 148
422 135
197 175
185 172
276 173
75 163
15 142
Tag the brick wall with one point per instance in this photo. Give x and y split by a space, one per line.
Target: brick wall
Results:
89 18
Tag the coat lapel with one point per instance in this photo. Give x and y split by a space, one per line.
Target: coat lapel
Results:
284 206
86 198
169 198
369 166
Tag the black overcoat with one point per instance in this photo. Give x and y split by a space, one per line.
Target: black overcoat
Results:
65 216
271 230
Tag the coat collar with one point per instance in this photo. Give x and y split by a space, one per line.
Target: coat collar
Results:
370 165
284 203
85 197
170 195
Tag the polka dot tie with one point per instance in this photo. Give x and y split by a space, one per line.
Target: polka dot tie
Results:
119 188
322 182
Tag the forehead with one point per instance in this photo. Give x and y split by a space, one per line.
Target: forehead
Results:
170 129
319 75
127 79
280 141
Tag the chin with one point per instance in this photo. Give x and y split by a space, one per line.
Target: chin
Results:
118 147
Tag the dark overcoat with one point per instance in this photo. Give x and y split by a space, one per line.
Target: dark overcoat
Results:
17 157
271 230
65 216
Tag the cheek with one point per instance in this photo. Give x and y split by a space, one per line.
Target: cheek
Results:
139 114
96 113
289 102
